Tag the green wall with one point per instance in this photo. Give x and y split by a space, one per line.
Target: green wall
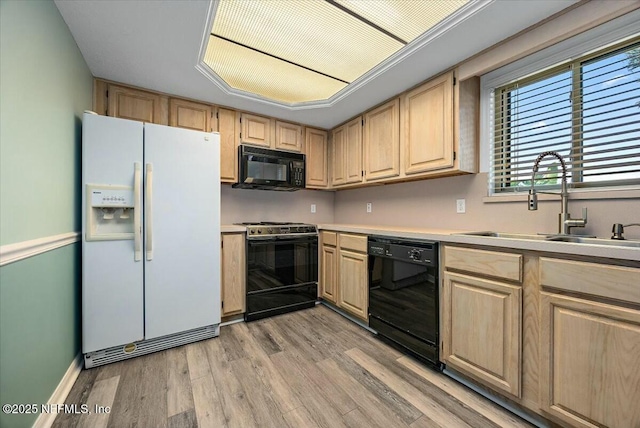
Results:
45 85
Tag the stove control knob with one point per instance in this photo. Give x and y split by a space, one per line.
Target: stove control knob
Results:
269 230
259 230
415 254
252 231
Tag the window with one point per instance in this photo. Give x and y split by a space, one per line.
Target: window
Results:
587 110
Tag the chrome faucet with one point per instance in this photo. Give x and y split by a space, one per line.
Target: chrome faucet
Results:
565 222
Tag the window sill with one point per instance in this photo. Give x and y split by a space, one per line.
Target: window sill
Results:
574 194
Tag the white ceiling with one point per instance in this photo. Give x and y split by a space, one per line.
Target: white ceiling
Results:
158 45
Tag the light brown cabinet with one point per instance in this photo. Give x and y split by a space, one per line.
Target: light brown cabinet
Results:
227 126
316 151
328 266
346 153
590 350
483 323
344 272
288 137
482 316
190 115
337 147
353 151
440 127
381 142
233 287
428 126
256 130
134 104
353 290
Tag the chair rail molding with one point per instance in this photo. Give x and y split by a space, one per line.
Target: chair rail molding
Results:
21 250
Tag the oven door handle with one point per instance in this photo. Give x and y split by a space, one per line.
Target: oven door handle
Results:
280 238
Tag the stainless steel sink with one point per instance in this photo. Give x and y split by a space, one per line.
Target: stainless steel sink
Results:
557 238
505 235
594 241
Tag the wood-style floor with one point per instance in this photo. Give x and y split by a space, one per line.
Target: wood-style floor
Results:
311 368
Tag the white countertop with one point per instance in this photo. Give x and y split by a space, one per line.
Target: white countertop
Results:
449 235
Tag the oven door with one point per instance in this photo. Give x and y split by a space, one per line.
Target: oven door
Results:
282 275
404 295
279 262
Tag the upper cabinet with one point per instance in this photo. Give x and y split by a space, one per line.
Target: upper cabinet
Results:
256 130
440 127
288 137
346 153
190 115
353 151
337 150
317 170
428 126
382 142
133 104
227 126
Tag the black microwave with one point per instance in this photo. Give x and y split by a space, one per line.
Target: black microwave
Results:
270 169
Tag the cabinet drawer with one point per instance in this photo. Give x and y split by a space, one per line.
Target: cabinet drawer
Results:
615 282
329 238
353 242
490 263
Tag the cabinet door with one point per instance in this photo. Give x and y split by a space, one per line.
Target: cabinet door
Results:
316 151
256 130
227 127
328 273
190 115
382 142
134 104
338 156
233 274
353 151
288 137
353 294
590 362
427 135
481 332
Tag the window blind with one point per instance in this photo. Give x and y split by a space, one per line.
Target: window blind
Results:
587 110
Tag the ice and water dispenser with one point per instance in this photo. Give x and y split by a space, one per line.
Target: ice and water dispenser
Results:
110 212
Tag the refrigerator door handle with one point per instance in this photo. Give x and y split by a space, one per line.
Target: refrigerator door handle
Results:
137 232
148 195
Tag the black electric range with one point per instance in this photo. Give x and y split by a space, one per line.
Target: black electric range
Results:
282 268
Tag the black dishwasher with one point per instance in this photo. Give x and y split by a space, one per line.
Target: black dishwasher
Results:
403 294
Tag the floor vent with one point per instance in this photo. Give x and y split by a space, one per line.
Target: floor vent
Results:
131 350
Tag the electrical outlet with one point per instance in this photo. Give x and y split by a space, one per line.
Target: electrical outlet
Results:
368 207
313 208
460 206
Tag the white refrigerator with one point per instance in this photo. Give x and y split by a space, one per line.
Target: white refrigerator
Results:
150 237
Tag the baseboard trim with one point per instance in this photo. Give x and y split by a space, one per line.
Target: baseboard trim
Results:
45 420
21 250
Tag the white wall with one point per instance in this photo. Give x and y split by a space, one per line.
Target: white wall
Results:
245 205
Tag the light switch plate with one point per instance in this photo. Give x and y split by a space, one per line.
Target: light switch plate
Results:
368 207
460 206
313 208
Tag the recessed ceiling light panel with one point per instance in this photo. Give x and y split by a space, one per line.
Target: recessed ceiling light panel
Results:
298 51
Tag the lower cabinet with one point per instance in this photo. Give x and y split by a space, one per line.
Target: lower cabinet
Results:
328 272
483 324
558 336
344 272
589 349
233 287
353 295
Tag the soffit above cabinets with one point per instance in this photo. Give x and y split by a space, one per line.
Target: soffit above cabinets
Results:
163 46
314 49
